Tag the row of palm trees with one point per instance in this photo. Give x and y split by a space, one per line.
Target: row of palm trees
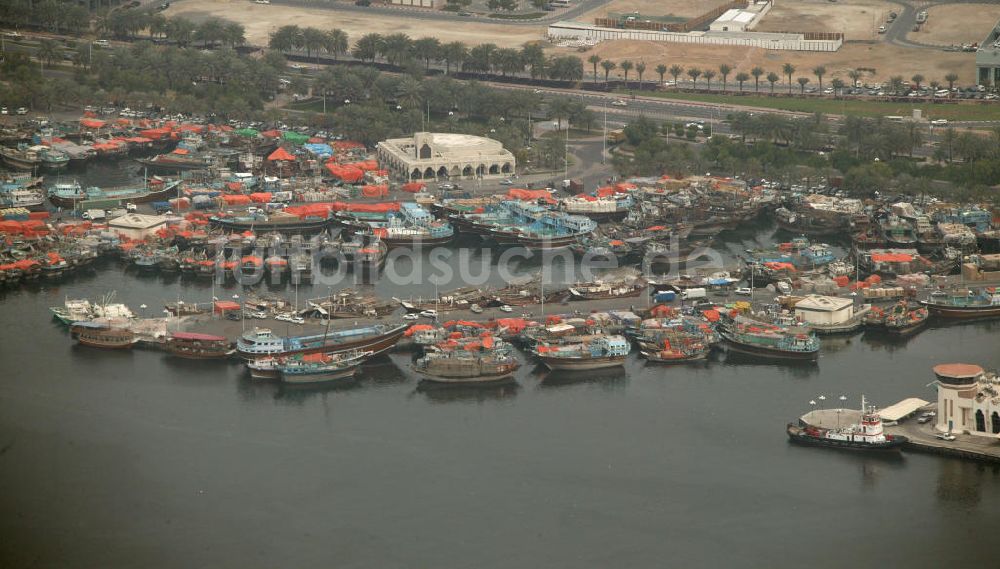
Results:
896 83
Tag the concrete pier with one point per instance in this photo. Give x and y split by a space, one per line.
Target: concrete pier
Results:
969 447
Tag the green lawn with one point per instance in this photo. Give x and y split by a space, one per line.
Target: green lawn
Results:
968 111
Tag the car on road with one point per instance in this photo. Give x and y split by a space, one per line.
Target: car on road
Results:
102 43
14 35
924 419
945 436
939 122
743 291
3 110
411 316
619 103
21 111
507 182
881 29
429 313
506 308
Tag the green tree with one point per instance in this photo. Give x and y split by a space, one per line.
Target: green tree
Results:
724 70
608 66
640 68
314 40
709 74
803 81
454 54
855 76
757 72
772 78
742 78
427 49
918 79
48 51
661 70
593 60
951 78
788 69
819 71
366 48
286 38
336 43
626 66
694 73
675 72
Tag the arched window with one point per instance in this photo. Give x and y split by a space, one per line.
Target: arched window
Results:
467 171
494 169
506 168
429 172
980 421
425 152
442 172
995 419
415 174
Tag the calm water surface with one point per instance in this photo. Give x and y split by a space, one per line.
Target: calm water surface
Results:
136 460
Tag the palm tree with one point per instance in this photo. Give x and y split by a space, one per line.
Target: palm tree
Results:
918 79
409 92
661 70
336 42
772 78
640 68
675 71
626 66
593 60
803 81
694 73
819 71
855 76
951 78
788 69
234 34
607 65
838 85
453 53
742 77
756 72
725 70
708 74
427 49
313 39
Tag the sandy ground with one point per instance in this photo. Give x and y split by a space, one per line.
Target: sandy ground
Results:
887 60
856 19
678 8
261 20
957 24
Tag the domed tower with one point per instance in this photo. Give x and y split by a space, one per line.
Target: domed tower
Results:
957 386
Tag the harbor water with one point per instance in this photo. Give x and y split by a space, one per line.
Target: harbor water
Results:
135 459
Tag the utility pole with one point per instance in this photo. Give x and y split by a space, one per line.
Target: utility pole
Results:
604 140
566 167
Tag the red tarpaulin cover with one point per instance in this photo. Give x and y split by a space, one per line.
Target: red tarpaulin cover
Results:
281 155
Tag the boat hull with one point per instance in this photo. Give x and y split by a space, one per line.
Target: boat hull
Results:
375 344
798 435
320 377
962 313
766 352
604 362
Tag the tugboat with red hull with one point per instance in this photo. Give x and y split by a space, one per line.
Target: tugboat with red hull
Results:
817 429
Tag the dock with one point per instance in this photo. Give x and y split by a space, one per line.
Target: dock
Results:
968 447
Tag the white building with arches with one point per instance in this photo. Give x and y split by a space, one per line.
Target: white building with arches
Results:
968 400
445 156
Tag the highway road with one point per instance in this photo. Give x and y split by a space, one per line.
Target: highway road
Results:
578 8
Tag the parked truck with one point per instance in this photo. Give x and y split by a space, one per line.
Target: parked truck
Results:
573 186
693 293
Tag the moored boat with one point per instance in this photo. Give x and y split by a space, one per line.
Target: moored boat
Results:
320 367
835 428
769 341
965 304
99 335
595 353
198 346
262 342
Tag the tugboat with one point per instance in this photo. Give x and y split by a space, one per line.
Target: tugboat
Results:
595 353
264 368
817 428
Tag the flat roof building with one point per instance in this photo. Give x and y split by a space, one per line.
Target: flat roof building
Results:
137 225
824 310
445 156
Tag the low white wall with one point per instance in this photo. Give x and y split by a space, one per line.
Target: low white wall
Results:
793 42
